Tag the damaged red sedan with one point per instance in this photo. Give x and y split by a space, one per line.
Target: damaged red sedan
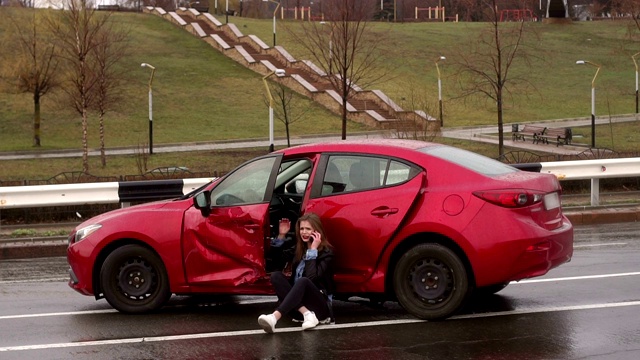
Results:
419 223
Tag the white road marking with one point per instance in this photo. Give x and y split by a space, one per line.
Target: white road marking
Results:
91 312
34 280
294 329
597 245
586 277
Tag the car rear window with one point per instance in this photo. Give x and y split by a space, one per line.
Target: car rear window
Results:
470 160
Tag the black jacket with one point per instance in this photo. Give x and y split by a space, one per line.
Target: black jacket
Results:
319 270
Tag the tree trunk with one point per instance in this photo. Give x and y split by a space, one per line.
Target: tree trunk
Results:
500 127
345 97
286 126
103 157
85 143
36 120
344 118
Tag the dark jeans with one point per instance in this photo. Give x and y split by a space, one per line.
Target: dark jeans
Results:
303 293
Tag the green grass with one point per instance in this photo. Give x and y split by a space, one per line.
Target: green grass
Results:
198 95
201 95
558 87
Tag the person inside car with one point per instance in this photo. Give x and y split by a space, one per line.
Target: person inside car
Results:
309 289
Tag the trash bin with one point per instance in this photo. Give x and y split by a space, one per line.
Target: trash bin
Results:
514 127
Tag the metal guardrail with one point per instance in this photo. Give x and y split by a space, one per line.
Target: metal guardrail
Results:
593 170
117 192
96 193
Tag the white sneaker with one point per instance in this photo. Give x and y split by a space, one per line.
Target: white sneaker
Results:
310 320
268 323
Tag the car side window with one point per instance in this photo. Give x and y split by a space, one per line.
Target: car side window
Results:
246 185
355 173
333 180
399 172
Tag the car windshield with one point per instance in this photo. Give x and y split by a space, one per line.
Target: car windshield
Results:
470 160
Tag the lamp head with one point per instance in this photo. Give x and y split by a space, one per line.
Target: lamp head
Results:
280 72
581 62
144 64
443 58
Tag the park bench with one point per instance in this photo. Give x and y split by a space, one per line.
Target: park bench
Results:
527 131
109 7
561 136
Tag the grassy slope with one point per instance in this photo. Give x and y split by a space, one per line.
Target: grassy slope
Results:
200 95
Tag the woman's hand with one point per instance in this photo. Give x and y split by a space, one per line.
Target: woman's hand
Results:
283 228
317 239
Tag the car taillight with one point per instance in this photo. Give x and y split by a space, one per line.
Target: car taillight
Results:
511 198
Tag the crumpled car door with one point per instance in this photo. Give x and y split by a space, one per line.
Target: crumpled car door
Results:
225 249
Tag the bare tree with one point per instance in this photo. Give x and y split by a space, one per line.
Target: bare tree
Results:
288 108
111 47
485 64
630 7
77 30
32 68
344 47
417 127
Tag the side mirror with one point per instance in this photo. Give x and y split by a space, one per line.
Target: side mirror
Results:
202 201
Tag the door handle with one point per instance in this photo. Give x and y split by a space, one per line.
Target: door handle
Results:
384 211
251 228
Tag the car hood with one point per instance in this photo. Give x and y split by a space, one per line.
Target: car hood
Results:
136 208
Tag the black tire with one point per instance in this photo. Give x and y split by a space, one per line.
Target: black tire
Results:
134 280
431 282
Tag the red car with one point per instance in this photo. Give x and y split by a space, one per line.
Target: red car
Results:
421 223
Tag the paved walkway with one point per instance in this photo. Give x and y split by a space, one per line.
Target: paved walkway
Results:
485 134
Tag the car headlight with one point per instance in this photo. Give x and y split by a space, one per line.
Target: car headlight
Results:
86 231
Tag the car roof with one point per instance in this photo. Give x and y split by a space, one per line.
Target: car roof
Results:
374 146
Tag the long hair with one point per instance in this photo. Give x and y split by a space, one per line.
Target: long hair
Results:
316 224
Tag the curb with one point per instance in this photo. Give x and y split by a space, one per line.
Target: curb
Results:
31 251
603 215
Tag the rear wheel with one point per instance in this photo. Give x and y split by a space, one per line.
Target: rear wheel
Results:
134 280
431 282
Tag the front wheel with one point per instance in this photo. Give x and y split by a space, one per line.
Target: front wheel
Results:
430 282
134 280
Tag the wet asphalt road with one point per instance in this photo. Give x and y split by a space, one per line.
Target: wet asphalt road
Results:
587 309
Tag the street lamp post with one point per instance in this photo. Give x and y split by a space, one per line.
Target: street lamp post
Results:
330 47
278 72
440 91
636 64
274 18
593 100
226 12
153 70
